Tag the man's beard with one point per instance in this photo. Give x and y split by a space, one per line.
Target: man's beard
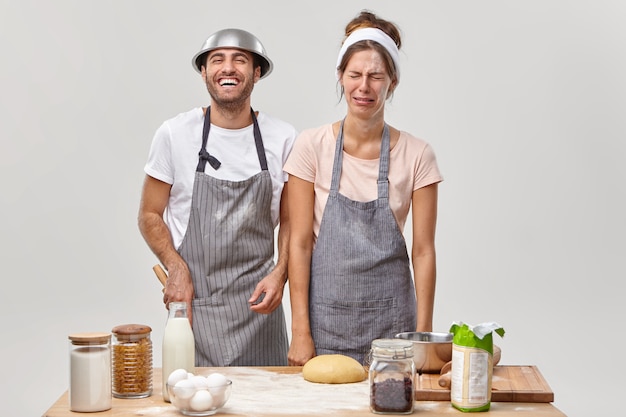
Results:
231 104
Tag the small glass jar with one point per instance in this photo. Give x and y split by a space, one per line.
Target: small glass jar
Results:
90 372
132 361
391 377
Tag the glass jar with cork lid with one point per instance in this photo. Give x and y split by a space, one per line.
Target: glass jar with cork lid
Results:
391 376
132 361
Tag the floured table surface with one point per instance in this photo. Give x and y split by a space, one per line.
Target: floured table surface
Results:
283 392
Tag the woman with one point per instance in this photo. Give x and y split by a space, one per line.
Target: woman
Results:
351 184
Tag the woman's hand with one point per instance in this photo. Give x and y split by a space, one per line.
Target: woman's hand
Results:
301 350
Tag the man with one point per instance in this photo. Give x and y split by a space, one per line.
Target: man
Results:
212 224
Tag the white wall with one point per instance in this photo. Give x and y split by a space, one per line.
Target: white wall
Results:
523 101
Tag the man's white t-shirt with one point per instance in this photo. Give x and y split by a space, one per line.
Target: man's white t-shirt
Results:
173 159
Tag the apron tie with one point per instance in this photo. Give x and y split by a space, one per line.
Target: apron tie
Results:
205 156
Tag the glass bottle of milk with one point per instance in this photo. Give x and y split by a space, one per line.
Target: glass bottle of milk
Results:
178 343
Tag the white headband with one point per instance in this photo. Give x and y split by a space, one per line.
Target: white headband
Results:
371 34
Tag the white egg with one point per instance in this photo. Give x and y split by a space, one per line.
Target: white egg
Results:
218 397
184 389
216 380
217 387
175 376
180 403
202 400
199 381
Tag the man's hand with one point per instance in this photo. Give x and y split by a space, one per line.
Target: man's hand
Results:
268 294
179 287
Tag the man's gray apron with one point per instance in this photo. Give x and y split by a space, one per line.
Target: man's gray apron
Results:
229 248
361 283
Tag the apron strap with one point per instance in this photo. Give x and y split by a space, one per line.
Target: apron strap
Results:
334 182
258 140
204 155
383 169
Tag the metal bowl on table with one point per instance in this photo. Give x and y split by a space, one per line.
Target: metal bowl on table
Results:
430 350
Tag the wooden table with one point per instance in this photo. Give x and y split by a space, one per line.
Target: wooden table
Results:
281 391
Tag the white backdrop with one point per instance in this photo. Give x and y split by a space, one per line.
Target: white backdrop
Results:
524 103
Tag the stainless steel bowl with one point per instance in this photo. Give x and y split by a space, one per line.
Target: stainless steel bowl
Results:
234 38
430 350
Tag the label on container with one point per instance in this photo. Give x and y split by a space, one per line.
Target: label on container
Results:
471 377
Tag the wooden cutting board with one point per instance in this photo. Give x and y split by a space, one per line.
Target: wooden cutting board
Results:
510 383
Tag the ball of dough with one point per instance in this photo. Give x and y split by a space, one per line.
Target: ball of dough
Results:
333 369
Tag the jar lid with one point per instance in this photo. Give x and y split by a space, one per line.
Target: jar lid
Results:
131 331
392 348
90 338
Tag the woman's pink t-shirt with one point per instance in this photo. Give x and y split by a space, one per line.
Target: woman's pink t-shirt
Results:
412 165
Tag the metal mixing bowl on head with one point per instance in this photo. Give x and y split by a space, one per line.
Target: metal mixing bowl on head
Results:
430 350
234 38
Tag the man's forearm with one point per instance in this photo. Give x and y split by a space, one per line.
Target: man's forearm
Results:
159 239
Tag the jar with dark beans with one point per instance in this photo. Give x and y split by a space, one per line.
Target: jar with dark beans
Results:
391 376
392 396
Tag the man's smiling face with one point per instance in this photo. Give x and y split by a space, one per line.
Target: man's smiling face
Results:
230 76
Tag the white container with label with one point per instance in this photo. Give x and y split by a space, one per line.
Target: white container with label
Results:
470 378
472 365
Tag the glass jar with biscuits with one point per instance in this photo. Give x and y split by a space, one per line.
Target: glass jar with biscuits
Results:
132 361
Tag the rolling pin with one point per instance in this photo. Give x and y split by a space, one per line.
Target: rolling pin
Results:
444 376
160 273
